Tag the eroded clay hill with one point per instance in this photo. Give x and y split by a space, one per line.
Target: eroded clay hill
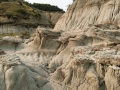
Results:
83 13
67 59
16 17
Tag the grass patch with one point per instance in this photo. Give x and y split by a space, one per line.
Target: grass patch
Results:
8 34
23 35
21 11
17 9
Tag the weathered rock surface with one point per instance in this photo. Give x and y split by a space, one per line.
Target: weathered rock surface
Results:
53 16
16 75
11 44
86 57
83 13
15 29
24 18
47 19
85 60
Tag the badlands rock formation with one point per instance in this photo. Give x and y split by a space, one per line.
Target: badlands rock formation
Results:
53 16
70 58
24 18
47 19
83 13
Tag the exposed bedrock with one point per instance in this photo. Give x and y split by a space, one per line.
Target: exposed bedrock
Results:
84 54
90 70
84 13
17 75
58 60
16 29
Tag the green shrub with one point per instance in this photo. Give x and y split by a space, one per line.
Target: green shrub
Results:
7 34
20 2
21 11
45 7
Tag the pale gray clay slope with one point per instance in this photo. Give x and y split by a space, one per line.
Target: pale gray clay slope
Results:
74 57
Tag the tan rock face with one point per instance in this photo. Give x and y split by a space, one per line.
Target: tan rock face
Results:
89 71
83 13
85 58
53 16
57 60
16 75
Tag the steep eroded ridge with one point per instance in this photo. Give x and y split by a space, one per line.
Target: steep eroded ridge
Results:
84 13
84 54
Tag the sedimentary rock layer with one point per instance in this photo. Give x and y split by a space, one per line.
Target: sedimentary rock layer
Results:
83 13
87 57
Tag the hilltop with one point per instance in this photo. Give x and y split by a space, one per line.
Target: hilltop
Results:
15 13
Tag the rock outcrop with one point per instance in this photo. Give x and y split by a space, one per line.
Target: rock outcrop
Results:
16 75
24 18
85 13
47 19
79 55
53 16
11 44
71 61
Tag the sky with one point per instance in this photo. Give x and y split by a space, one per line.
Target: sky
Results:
63 4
